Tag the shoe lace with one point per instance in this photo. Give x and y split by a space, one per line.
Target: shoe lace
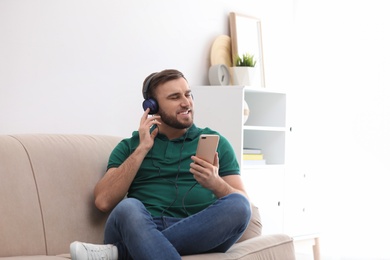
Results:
99 253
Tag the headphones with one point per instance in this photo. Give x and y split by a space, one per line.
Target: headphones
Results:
150 103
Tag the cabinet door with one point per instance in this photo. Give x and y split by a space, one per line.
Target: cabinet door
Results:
298 210
300 189
265 187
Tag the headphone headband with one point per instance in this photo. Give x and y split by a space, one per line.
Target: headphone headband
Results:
145 87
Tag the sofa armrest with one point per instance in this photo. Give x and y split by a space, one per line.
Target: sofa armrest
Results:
268 247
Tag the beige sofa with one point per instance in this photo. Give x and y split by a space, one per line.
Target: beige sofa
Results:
46 200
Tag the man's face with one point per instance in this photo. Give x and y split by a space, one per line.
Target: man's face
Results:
175 103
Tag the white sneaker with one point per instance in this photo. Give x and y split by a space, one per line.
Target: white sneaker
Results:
85 251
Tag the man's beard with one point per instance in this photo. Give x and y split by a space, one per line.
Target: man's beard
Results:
173 122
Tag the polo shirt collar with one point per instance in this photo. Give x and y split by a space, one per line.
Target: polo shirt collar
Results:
192 133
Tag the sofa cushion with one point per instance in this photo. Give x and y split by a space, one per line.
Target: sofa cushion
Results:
268 247
66 170
36 257
21 226
254 228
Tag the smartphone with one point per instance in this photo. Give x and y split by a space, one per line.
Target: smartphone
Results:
207 146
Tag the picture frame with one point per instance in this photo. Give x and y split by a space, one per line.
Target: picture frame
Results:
246 37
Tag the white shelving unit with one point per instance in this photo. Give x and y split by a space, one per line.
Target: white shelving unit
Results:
278 192
266 125
221 108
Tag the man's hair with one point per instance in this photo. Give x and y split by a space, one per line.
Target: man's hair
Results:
157 78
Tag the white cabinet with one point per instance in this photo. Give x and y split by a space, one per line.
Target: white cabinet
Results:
264 186
281 192
221 108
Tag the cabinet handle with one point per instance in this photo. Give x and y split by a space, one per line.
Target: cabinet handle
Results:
278 203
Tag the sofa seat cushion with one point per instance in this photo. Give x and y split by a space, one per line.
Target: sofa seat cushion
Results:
267 247
37 257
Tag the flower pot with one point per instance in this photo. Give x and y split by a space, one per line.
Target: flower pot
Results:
243 76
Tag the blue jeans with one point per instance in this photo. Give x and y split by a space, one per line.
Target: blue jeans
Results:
140 236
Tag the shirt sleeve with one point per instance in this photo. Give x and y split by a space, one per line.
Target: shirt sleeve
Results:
119 154
228 164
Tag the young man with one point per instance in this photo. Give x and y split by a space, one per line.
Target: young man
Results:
177 204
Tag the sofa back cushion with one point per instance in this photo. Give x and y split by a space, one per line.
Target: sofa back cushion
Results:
21 227
66 169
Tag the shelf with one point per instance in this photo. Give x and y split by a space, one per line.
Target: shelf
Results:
264 90
272 144
264 128
262 167
266 109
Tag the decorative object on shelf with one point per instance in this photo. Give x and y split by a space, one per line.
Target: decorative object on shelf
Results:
244 70
221 51
246 37
219 75
246 112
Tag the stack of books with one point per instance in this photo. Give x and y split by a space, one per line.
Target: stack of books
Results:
253 157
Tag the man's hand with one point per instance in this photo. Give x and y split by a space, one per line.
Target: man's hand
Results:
207 175
146 137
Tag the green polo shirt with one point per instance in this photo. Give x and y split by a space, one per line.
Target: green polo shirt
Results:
163 182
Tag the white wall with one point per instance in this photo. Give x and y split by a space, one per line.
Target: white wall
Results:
77 66
342 122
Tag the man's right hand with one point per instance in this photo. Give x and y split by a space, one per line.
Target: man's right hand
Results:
147 137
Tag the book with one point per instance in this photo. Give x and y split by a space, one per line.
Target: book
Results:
251 151
246 156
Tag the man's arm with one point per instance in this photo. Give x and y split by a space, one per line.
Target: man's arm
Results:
113 187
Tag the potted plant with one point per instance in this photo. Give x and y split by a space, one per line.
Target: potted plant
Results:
244 69
246 60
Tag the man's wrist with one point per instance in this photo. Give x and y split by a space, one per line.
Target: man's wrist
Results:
223 189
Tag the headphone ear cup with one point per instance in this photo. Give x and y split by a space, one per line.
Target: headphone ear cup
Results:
151 104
